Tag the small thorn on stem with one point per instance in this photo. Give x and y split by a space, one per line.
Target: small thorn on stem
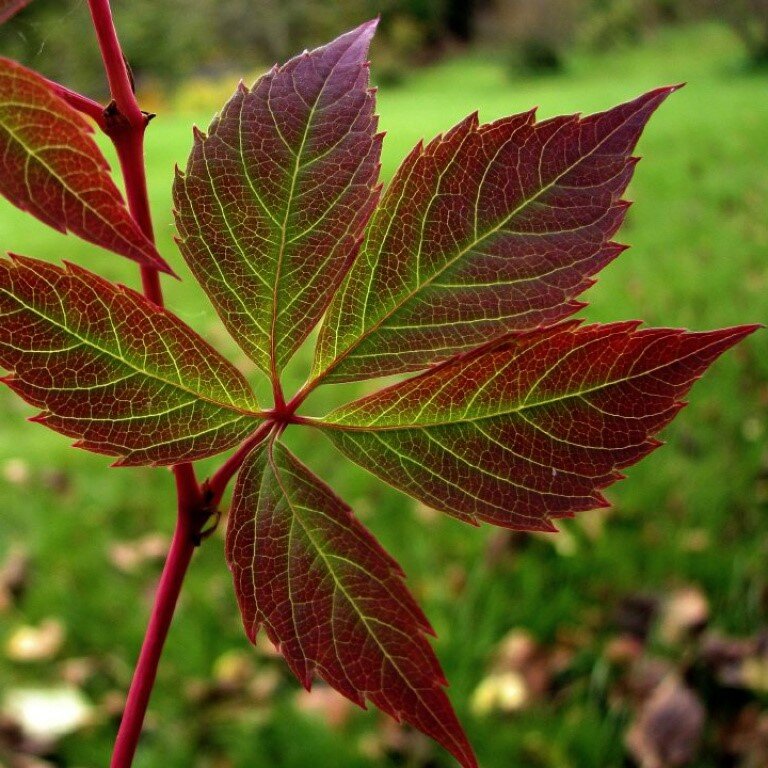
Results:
131 78
115 122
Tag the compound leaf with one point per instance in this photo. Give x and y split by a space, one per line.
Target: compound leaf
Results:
330 598
10 8
51 167
488 229
273 203
113 370
532 427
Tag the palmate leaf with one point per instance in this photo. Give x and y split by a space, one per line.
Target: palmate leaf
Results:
475 253
530 428
468 267
330 598
488 229
272 205
51 167
10 8
113 370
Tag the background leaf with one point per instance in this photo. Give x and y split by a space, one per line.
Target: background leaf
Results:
113 370
330 598
51 167
532 428
274 200
489 228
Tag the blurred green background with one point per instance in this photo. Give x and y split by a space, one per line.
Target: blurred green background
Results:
558 648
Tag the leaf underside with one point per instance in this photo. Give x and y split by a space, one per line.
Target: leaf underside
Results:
488 229
330 598
10 8
51 167
271 208
530 428
111 369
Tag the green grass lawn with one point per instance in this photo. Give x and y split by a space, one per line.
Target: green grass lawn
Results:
692 513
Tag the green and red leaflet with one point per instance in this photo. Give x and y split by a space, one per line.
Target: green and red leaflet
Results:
331 598
111 369
464 272
51 167
488 229
533 427
272 206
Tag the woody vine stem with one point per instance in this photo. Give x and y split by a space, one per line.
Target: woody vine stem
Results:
125 123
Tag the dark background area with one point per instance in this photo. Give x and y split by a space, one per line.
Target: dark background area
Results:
171 40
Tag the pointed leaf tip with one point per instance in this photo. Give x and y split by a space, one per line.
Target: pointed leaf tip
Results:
344 611
364 33
514 220
530 428
65 183
275 199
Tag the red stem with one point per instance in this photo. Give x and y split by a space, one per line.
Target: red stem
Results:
220 479
118 76
81 103
130 152
125 124
179 556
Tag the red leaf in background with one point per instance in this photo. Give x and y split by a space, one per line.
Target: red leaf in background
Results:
274 199
330 598
530 428
10 8
488 229
115 371
51 166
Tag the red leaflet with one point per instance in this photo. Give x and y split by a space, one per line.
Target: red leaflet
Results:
532 428
273 203
51 166
488 229
113 370
9 8
330 598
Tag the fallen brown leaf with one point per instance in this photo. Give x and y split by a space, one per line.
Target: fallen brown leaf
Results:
41 643
667 730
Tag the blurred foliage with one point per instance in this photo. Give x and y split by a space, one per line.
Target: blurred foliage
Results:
537 33
749 19
541 35
616 22
168 41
